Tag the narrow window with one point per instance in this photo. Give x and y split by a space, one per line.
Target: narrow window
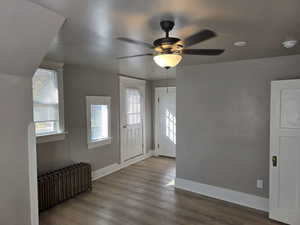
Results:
98 121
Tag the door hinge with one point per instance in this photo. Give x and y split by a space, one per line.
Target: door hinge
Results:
157 145
158 100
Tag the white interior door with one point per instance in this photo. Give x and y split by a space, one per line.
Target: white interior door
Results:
132 118
285 152
166 121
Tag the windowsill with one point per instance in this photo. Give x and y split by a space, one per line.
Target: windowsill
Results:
50 137
99 143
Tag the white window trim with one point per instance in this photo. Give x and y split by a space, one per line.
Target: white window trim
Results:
97 100
61 135
51 137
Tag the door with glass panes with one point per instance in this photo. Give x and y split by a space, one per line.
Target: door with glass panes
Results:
165 121
132 118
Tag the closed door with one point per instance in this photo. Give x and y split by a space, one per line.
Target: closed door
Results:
132 116
166 121
285 152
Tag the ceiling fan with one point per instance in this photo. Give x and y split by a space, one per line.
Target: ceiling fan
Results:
168 50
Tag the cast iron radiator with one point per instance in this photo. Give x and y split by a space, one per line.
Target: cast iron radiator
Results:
60 185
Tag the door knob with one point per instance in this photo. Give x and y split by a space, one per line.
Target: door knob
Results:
274 161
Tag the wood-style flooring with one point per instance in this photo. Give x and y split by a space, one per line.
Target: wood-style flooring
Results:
144 194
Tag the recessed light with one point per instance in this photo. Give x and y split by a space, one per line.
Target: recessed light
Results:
289 43
240 43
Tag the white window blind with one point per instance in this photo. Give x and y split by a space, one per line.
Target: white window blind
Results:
99 122
46 102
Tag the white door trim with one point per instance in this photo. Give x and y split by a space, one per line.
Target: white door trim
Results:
135 83
156 118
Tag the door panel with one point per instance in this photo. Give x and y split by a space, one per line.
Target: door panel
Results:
288 158
285 147
134 138
290 108
132 118
166 121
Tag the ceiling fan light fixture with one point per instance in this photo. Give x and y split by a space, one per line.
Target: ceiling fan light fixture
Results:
167 60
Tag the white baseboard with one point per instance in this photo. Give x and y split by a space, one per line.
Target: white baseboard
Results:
117 166
136 159
248 200
155 153
105 171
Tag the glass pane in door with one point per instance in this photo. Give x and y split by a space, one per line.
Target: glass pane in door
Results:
133 106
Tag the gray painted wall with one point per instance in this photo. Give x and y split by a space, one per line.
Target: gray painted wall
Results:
223 121
164 83
78 83
148 115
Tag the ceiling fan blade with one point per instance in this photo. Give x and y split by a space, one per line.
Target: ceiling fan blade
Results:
199 37
133 56
203 51
132 41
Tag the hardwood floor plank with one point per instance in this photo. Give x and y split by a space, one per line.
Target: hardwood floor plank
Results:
144 194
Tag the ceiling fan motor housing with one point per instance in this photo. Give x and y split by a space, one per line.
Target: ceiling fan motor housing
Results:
165 41
167 25
167 44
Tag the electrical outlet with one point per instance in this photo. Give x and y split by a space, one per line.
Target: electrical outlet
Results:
260 184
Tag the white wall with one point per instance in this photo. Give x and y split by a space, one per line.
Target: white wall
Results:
15 114
26 31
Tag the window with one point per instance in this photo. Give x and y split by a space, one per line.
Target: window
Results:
98 121
47 102
170 126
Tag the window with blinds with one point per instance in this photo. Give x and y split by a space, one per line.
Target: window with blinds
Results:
98 121
46 102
